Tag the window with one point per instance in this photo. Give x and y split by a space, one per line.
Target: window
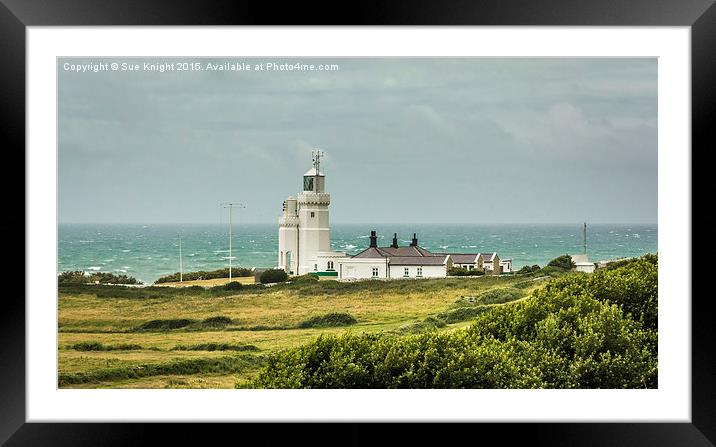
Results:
308 183
406 272
315 267
330 265
375 272
313 214
420 271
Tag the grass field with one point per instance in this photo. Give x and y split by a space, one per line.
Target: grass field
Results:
210 282
192 338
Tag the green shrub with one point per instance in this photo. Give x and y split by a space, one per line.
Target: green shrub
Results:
563 262
461 271
528 269
273 276
233 285
213 274
329 320
579 331
461 314
500 295
215 347
79 277
215 322
96 346
163 325
307 278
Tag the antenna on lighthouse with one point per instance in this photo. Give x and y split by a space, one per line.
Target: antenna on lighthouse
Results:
316 158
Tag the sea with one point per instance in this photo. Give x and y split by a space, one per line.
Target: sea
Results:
150 251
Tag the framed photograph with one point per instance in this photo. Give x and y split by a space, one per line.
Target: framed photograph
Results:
353 224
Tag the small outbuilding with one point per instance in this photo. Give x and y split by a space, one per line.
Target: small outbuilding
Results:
582 264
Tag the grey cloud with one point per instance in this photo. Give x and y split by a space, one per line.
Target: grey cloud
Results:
425 140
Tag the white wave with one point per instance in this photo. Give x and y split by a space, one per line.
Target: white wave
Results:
95 268
349 246
125 251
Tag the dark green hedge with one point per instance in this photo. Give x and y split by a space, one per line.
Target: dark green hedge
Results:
79 277
273 276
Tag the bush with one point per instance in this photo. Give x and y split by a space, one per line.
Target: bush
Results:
215 347
563 262
215 322
273 276
79 277
579 331
213 274
233 285
461 314
528 269
461 271
96 346
500 295
307 278
329 320
163 325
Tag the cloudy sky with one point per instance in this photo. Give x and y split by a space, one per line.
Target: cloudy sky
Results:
406 140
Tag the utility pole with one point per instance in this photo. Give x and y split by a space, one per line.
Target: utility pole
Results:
181 264
231 207
585 238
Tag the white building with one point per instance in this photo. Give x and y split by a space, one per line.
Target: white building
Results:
304 244
394 262
582 264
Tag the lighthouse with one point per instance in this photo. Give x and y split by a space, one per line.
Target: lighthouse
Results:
304 234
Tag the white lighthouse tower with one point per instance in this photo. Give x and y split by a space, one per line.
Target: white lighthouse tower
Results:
304 241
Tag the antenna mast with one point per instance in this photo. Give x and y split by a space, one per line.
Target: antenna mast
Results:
231 207
585 238
181 264
316 157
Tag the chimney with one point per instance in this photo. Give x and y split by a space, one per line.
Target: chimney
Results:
373 239
414 243
395 240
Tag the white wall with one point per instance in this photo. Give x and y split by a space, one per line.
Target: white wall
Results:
429 271
360 268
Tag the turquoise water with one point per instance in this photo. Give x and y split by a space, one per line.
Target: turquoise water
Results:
150 251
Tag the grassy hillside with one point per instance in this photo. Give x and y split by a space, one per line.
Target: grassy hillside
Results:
159 337
579 331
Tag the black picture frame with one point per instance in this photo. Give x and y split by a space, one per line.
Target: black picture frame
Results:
16 15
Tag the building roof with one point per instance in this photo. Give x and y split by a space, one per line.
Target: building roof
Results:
384 252
312 172
463 258
370 252
488 256
417 260
581 258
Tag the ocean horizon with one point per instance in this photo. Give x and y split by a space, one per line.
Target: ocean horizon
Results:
149 251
